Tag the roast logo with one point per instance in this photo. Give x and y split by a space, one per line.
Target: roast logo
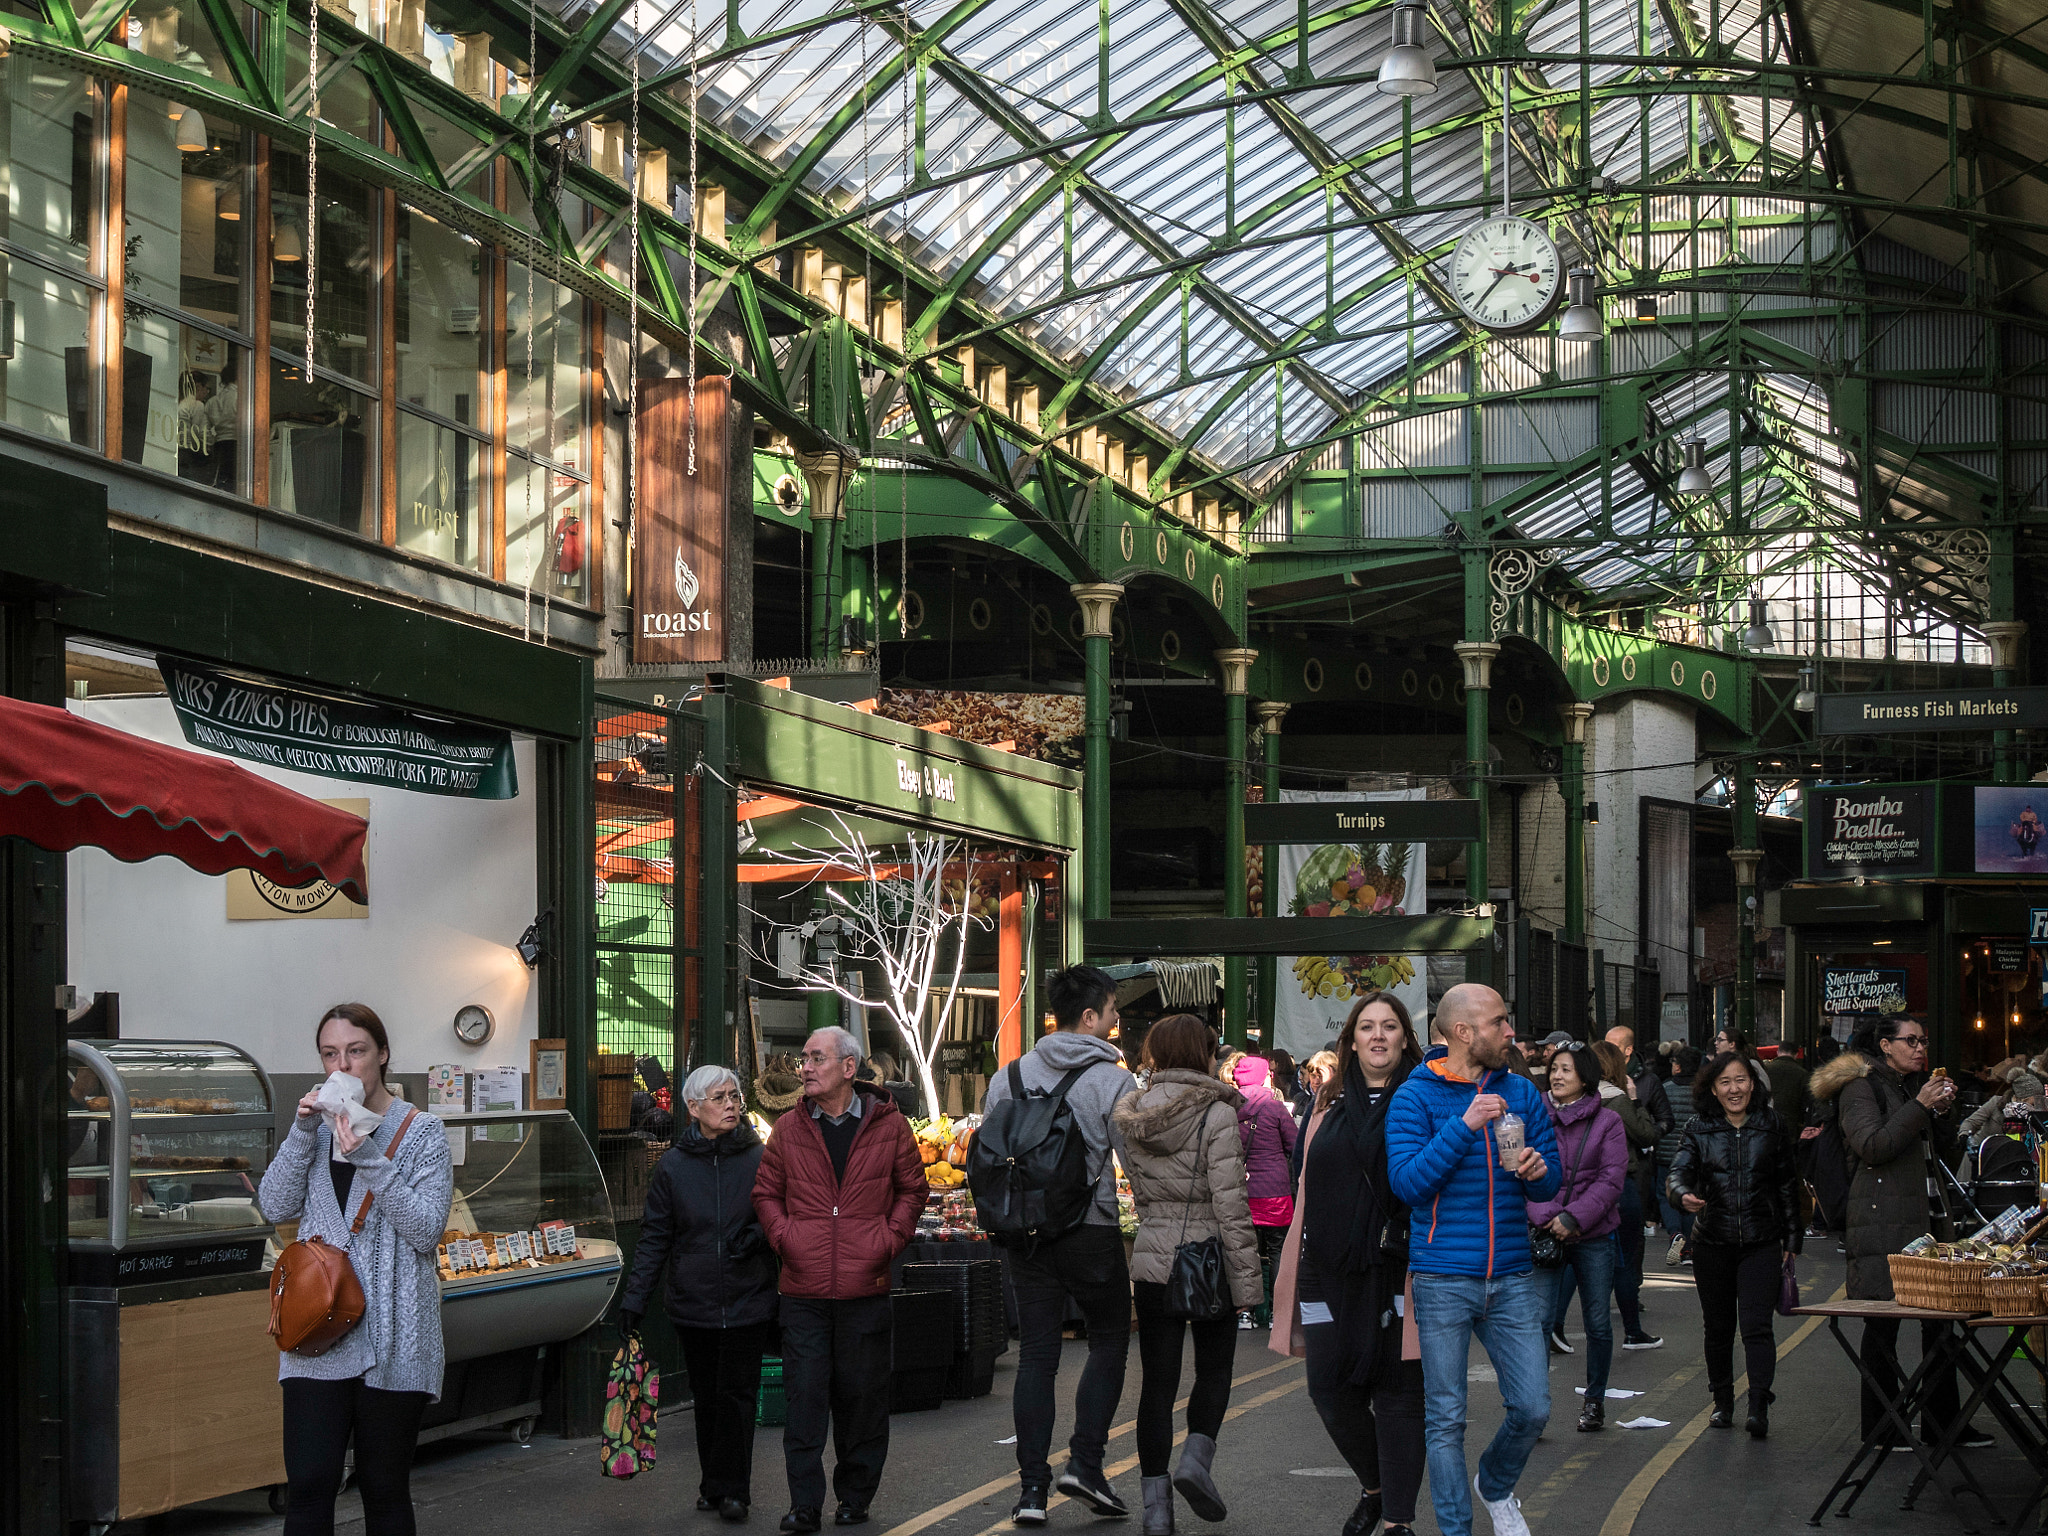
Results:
692 619
686 582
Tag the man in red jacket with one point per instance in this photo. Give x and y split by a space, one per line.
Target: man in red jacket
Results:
839 1193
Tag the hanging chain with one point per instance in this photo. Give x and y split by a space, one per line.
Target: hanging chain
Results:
312 177
633 304
533 169
690 320
903 340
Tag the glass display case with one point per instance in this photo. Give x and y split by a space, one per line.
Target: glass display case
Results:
167 1141
531 1255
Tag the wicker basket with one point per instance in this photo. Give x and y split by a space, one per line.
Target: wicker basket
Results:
616 1064
1941 1285
2013 1295
614 1103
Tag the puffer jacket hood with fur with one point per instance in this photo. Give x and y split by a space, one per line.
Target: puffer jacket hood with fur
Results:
1186 1167
1838 1074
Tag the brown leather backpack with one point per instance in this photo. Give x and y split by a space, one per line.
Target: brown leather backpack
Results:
315 1298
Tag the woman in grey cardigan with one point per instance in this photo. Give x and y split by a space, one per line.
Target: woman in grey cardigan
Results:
376 1381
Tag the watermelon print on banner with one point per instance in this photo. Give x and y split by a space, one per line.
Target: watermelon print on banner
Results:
632 1391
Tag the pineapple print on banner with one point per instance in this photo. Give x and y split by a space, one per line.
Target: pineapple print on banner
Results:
1346 880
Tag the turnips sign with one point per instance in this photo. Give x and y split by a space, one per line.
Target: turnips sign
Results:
1870 830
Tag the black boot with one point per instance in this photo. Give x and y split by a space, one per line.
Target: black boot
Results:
1593 1417
1759 1421
1723 1416
1366 1518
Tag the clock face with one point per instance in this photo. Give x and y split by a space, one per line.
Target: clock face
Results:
473 1024
1505 273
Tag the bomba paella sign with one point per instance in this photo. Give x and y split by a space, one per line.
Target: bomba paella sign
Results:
1870 829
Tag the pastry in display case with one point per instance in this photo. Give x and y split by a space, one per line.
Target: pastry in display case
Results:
530 1255
166 1143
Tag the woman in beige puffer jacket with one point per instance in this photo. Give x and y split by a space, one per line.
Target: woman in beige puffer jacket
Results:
1185 1160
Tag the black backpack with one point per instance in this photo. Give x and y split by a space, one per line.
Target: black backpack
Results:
1028 1167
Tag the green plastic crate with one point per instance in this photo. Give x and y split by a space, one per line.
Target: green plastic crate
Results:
772 1407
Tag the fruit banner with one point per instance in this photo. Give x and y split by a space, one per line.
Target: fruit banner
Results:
1346 880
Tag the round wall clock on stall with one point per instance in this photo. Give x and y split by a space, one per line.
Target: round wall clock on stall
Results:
473 1024
1505 273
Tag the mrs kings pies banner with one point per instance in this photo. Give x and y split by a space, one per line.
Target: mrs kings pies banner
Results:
363 743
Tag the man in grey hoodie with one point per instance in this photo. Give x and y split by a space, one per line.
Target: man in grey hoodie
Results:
1086 1264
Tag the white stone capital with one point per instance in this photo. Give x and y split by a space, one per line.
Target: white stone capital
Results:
1746 862
1575 717
826 475
1236 662
1478 655
2005 636
1098 600
1270 715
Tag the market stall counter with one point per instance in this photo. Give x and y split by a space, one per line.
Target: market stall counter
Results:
173 1377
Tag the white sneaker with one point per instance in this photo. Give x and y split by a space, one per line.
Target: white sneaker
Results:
1671 1254
1506 1513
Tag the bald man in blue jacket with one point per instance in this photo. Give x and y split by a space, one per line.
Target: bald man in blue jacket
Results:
1469 1248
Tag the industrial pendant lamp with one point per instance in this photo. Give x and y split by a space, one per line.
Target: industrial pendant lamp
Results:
1759 636
1807 699
287 240
1408 70
191 133
1582 318
1694 480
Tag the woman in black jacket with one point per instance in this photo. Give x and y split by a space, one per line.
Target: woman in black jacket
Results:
1736 1173
1340 1295
700 1228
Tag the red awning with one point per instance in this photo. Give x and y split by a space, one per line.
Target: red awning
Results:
65 782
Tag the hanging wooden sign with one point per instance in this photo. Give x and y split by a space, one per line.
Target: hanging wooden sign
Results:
679 533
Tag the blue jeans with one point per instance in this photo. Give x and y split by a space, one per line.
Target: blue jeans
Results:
1592 1265
1508 1314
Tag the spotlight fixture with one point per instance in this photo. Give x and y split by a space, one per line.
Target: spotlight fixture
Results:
1646 306
1582 318
1694 480
1592 813
1759 636
533 944
1408 70
1807 699
287 240
191 134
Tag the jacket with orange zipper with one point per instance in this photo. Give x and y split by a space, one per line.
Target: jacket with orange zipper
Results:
836 1236
1470 1214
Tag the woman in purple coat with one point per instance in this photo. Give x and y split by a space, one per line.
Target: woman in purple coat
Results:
1592 1151
1265 1123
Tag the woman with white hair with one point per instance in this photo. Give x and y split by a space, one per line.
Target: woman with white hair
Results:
700 1229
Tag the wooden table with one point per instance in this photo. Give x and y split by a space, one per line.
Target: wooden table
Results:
1896 1426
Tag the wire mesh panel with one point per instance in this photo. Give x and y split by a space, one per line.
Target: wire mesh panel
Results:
1574 988
646 883
1537 1006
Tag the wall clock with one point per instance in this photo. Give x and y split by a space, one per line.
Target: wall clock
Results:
473 1024
1505 273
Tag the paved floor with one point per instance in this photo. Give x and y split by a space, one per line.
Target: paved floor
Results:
950 1473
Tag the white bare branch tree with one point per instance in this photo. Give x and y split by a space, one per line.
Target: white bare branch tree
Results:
892 910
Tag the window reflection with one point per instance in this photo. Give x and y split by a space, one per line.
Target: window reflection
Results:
342 330
439 500
319 447
546 530
178 34
47 383
444 322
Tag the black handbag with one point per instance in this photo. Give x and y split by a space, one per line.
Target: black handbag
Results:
1546 1248
1196 1291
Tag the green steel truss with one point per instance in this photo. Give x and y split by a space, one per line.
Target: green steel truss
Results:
1215 248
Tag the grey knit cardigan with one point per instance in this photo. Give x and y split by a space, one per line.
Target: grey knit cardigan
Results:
397 1346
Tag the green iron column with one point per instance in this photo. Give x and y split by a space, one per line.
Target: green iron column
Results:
2005 637
826 476
1098 600
1235 664
1478 657
1572 782
1270 715
1746 856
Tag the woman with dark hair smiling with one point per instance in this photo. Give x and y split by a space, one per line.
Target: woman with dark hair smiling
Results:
1735 1171
1340 1295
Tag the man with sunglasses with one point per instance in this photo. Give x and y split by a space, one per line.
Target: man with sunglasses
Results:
1895 1120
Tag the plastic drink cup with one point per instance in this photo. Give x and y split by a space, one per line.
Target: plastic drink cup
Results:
1507 1135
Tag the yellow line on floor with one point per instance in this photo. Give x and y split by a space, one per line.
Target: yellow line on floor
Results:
1118 1469
1008 1481
1621 1520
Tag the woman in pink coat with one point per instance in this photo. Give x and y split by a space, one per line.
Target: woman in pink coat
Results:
1265 1123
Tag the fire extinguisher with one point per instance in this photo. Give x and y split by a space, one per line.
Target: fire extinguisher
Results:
569 545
